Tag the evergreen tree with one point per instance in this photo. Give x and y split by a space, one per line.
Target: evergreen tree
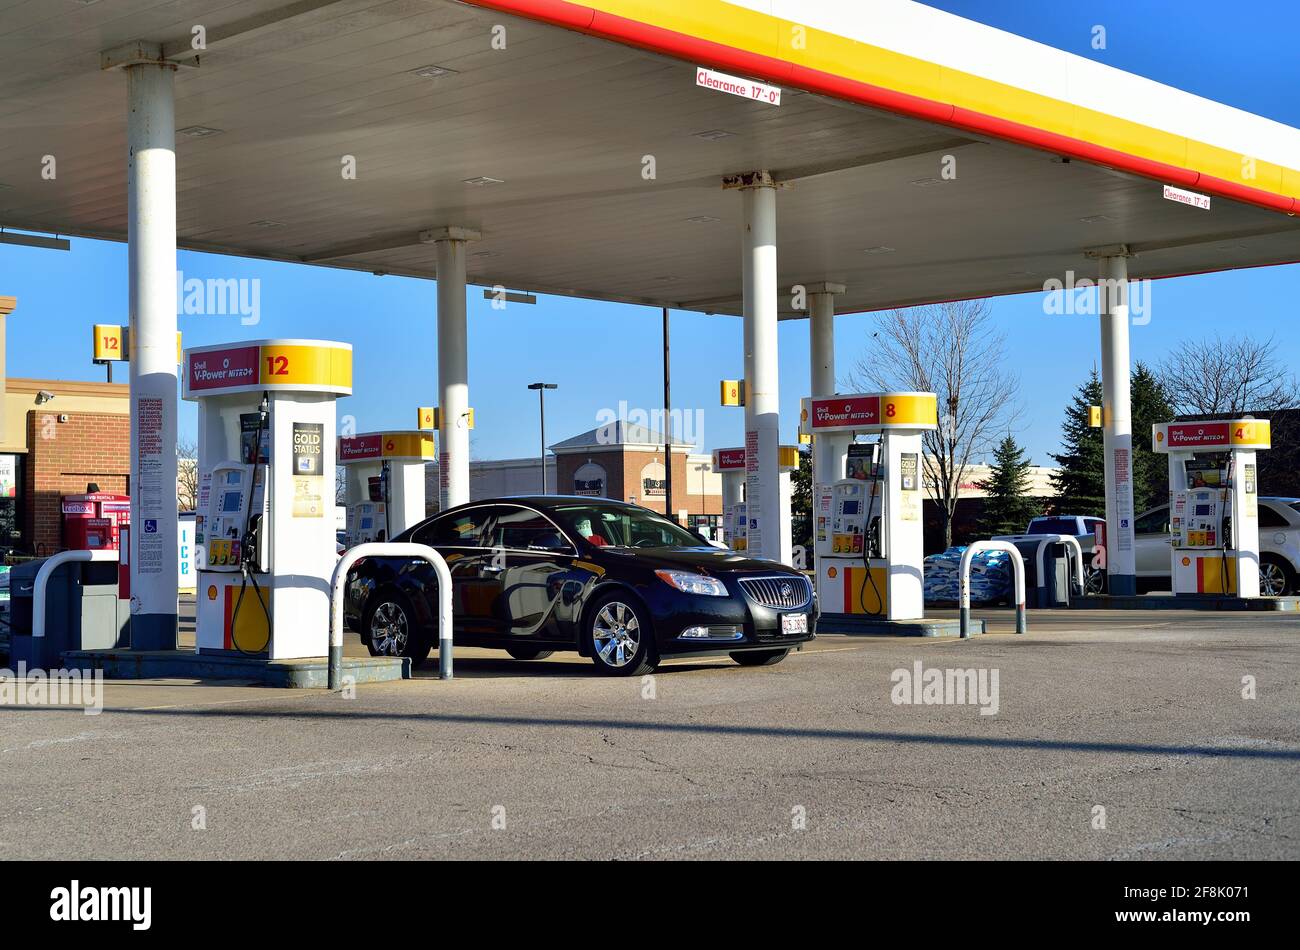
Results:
1080 483
1009 506
1150 404
801 503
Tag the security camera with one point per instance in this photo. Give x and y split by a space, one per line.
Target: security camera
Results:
43 396
63 417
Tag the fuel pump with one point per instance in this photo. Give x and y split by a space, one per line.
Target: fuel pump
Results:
264 524
385 482
1213 503
867 527
730 465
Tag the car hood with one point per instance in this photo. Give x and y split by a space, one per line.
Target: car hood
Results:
709 560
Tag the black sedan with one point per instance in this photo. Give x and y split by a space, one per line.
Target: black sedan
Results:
615 582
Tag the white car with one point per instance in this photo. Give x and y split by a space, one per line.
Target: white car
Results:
1279 547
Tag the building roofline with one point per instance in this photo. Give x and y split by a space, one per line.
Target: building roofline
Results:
72 387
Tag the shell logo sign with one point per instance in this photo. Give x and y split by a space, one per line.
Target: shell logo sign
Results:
873 412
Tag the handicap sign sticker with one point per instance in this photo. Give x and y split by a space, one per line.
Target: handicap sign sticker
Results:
151 526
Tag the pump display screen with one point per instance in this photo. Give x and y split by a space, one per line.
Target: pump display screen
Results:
230 502
1203 511
851 507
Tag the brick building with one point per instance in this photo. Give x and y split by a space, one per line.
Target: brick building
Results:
627 461
57 438
619 460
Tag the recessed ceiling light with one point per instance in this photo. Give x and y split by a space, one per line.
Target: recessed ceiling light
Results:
267 223
712 135
484 180
1096 218
926 182
703 219
198 131
879 249
432 72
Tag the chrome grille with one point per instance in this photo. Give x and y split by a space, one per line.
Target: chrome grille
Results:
782 592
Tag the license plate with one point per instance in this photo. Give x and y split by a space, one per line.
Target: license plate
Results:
793 624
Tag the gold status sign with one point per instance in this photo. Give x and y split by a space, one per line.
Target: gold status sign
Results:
308 470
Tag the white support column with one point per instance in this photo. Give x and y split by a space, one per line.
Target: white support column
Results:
762 396
151 268
453 365
1117 423
828 451
406 496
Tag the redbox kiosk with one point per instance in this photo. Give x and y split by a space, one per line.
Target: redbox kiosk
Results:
91 520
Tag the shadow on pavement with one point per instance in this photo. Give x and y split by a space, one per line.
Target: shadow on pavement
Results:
716 729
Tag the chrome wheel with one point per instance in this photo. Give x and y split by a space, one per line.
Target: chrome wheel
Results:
617 634
389 630
1272 579
1094 581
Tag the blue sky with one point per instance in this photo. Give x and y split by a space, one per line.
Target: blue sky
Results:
390 320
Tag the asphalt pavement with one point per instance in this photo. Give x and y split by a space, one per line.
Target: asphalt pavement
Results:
1111 734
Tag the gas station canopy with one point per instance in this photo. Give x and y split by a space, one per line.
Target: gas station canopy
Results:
926 157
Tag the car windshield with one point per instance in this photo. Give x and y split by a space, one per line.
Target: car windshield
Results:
624 527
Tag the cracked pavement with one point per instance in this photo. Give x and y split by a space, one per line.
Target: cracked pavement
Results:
1140 713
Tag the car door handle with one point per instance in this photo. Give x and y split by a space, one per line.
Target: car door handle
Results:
489 569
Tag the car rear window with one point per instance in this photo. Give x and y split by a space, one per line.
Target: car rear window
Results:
1269 518
1066 526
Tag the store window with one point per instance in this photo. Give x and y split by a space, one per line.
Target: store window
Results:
706 525
11 501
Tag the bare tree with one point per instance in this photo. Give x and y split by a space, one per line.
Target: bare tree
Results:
952 350
187 475
1213 375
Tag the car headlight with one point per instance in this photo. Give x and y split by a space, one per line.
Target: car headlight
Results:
691 583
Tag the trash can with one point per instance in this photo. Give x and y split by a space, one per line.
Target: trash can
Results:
1056 587
82 612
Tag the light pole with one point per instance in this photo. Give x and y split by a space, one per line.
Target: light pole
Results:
541 408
